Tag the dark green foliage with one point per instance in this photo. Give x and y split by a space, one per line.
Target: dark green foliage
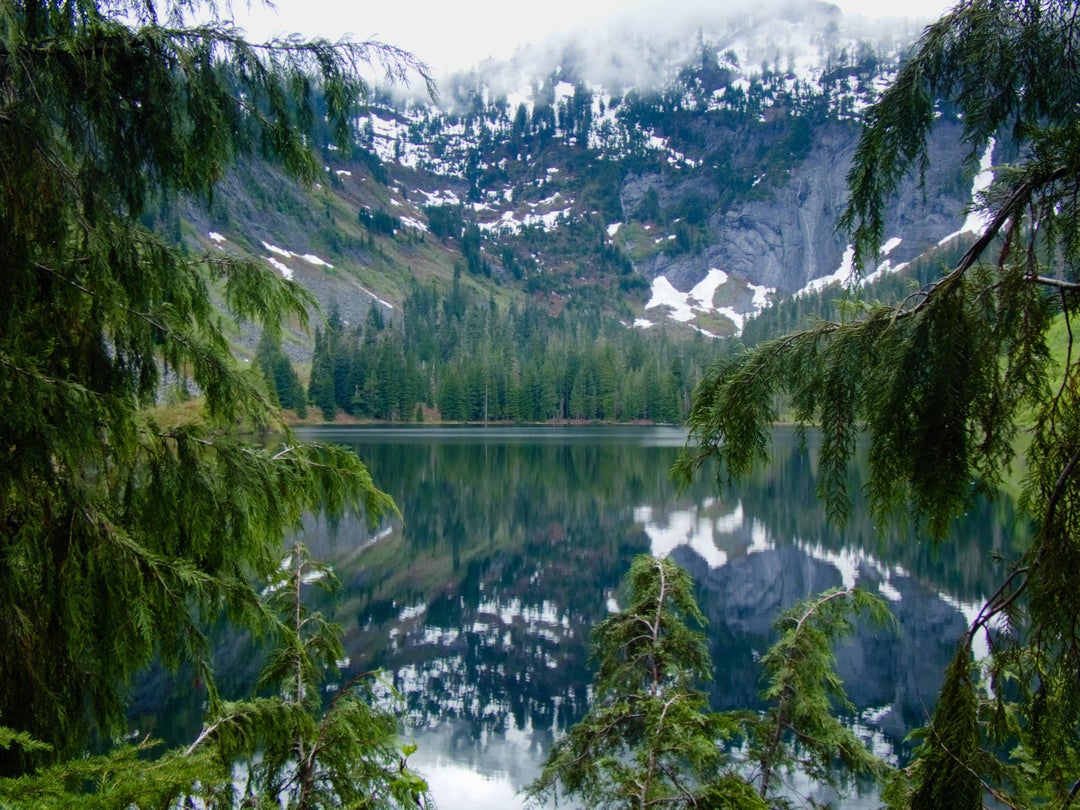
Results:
950 745
648 739
365 371
289 750
805 694
121 529
321 385
296 751
281 380
378 221
475 363
445 221
475 262
125 777
944 381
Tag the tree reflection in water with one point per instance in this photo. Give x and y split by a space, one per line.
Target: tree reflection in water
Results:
478 605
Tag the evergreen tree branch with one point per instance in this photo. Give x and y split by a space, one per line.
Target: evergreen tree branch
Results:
1019 199
802 686
966 766
646 740
125 533
1072 796
943 382
1055 405
999 603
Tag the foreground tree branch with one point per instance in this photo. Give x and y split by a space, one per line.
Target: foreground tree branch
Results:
943 385
120 534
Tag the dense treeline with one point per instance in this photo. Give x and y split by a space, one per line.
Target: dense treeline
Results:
470 360
458 359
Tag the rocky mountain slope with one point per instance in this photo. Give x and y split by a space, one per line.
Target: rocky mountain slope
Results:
692 175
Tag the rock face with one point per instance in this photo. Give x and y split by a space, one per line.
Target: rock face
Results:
789 239
729 153
786 236
895 676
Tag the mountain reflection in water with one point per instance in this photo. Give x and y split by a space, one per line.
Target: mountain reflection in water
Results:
478 605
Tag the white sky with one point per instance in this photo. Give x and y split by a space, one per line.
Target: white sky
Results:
456 34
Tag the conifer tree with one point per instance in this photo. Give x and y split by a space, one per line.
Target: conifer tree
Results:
281 748
295 752
121 527
804 693
321 384
944 382
281 380
648 739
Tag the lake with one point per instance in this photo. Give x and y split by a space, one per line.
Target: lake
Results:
478 603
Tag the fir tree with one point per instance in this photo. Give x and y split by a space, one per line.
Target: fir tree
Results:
282 750
120 527
648 738
281 380
804 693
944 381
296 752
321 384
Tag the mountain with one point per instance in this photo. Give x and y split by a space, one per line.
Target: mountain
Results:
688 172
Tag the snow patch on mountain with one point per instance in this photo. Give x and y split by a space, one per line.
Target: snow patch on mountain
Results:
510 223
978 218
674 158
285 270
311 258
686 307
841 275
886 266
440 197
275 249
845 273
281 267
665 295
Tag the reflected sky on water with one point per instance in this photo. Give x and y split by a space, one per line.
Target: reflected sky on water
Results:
478 603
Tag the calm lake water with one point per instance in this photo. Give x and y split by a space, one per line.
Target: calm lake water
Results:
478 604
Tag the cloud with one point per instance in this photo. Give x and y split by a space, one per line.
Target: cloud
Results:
453 36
